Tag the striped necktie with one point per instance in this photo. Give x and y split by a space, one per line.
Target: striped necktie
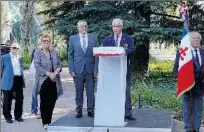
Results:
116 41
84 44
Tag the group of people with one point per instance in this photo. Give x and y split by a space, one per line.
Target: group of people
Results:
46 68
83 67
47 81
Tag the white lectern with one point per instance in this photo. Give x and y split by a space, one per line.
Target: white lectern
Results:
111 86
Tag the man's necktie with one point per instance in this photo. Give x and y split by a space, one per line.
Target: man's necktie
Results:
116 41
196 57
84 44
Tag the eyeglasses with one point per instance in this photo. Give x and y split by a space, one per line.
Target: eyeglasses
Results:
116 25
46 41
15 48
83 26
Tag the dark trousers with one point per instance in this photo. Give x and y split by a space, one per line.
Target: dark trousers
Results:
8 96
128 103
87 80
48 97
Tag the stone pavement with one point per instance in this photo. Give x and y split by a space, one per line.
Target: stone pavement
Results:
64 105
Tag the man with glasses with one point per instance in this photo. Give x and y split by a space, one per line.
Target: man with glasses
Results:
83 66
12 82
119 39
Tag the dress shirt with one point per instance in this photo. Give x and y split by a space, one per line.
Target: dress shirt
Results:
119 38
81 39
16 64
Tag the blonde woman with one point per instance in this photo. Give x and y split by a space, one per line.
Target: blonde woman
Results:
48 67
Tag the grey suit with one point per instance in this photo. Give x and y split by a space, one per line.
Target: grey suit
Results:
84 65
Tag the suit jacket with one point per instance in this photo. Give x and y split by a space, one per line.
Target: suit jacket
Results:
198 88
44 64
7 72
80 62
126 39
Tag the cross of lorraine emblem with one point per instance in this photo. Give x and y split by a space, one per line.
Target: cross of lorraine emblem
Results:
183 52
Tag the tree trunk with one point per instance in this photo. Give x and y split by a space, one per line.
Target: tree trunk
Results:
28 12
141 56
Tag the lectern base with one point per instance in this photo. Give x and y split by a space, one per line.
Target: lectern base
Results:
122 125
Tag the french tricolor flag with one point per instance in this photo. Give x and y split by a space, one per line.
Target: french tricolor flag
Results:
185 78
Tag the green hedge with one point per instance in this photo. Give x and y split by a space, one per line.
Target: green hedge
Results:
161 69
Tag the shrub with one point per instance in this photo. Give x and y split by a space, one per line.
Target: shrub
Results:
63 57
64 63
26 58
62 54
157 89
26 66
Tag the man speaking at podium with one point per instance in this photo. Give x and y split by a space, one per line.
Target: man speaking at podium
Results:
119 39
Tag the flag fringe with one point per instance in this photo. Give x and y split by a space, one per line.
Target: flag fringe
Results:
189 88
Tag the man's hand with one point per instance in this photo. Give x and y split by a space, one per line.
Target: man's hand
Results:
73 74
95 74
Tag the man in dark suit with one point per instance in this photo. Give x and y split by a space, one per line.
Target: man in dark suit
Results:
192 100
119 39
12 82
83 66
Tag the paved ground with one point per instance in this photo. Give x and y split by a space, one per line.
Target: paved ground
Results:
64 105
145 118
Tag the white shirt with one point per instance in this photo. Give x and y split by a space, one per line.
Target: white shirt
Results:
198 52
81 39
119 39
16 64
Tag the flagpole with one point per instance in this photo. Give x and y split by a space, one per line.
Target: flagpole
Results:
191 112
191 96
185 16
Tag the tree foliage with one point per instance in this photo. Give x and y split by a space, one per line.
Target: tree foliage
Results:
145 20
4 14
99 15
